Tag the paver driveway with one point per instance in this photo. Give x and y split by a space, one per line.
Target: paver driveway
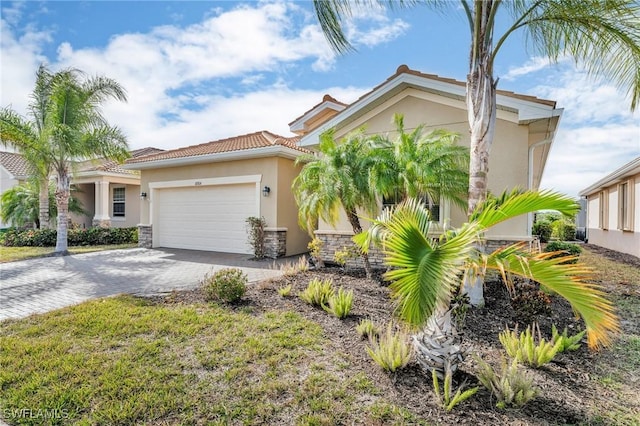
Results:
44 284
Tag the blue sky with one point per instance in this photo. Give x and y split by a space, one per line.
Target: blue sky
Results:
200 71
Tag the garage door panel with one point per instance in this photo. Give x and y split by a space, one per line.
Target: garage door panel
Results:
205 218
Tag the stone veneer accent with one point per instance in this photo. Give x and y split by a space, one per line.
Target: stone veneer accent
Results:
275 242
336 240
145 236
101 223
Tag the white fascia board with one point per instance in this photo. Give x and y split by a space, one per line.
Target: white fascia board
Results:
527 110
298 125
629 169
268 151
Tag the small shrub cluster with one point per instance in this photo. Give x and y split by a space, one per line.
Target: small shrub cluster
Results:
510 386
564 230
318 292
285 291
75 237
563 249
530 302
315 250
449 399
226 285
543 230
290 269
523 347
341 257
340 303
367 329
567 343
390 350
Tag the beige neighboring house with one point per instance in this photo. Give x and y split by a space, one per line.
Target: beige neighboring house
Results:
200 196
613 210
14 170
525 130
109 194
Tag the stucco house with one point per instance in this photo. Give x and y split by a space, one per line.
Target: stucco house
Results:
14 170
199 197
108 193
613 210
525 129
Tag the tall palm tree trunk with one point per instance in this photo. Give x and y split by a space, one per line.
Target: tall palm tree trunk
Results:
481 110
62 202
357 228
43 204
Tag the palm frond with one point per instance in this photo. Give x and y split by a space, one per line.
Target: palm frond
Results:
570 281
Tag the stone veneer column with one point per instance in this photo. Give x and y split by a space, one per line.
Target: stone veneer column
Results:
338 240
275 242
145 236
101 217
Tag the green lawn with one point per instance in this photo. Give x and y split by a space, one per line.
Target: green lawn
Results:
12 254
126 361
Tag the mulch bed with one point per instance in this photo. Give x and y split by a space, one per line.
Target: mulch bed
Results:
568 392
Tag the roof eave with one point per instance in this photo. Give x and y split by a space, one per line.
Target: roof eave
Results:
268 151
630 169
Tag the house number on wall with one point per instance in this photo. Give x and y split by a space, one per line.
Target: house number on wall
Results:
198 183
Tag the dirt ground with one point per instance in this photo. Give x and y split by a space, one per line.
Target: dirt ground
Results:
571 386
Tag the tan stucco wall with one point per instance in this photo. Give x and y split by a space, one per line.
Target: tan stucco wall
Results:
508 163
612 237
86 194
278 208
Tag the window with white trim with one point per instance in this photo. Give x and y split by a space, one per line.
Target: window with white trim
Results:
603 217
625 206
118 202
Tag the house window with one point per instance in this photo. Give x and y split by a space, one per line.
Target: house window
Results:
434 209
118 202
625 207
604 210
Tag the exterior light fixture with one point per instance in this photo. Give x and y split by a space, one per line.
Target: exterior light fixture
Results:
143 195
265 191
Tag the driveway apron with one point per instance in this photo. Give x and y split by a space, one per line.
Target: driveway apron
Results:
44 284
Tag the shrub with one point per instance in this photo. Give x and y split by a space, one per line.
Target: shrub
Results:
446 397
256 235
289 269
341 257
75 237
523 347
563 249
318 292
367 329
511 387
285 291
564 230
530 302
340 303
391 351
543 230
226 285
568 343
315 250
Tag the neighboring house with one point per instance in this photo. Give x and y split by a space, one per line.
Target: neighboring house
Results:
613 210
200 197
108 193
525 130
14 170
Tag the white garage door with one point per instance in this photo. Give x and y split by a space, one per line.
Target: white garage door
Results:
210 218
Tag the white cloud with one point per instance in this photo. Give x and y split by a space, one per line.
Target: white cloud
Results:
534 64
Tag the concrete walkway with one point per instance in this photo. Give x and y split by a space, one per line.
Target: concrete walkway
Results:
44 284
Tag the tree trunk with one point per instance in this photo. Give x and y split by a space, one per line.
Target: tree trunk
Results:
481 109
43 204
357 228
62 202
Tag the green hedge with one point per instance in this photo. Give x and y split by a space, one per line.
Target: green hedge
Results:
75 237
565 248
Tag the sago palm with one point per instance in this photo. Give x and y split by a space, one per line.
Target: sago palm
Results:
420 164
425 270
336 179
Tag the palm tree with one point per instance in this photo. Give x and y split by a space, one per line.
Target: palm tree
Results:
74 128
420 165
603 36
19 205
27 135
337 178
424 271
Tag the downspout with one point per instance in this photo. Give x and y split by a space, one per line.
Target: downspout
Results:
530 178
